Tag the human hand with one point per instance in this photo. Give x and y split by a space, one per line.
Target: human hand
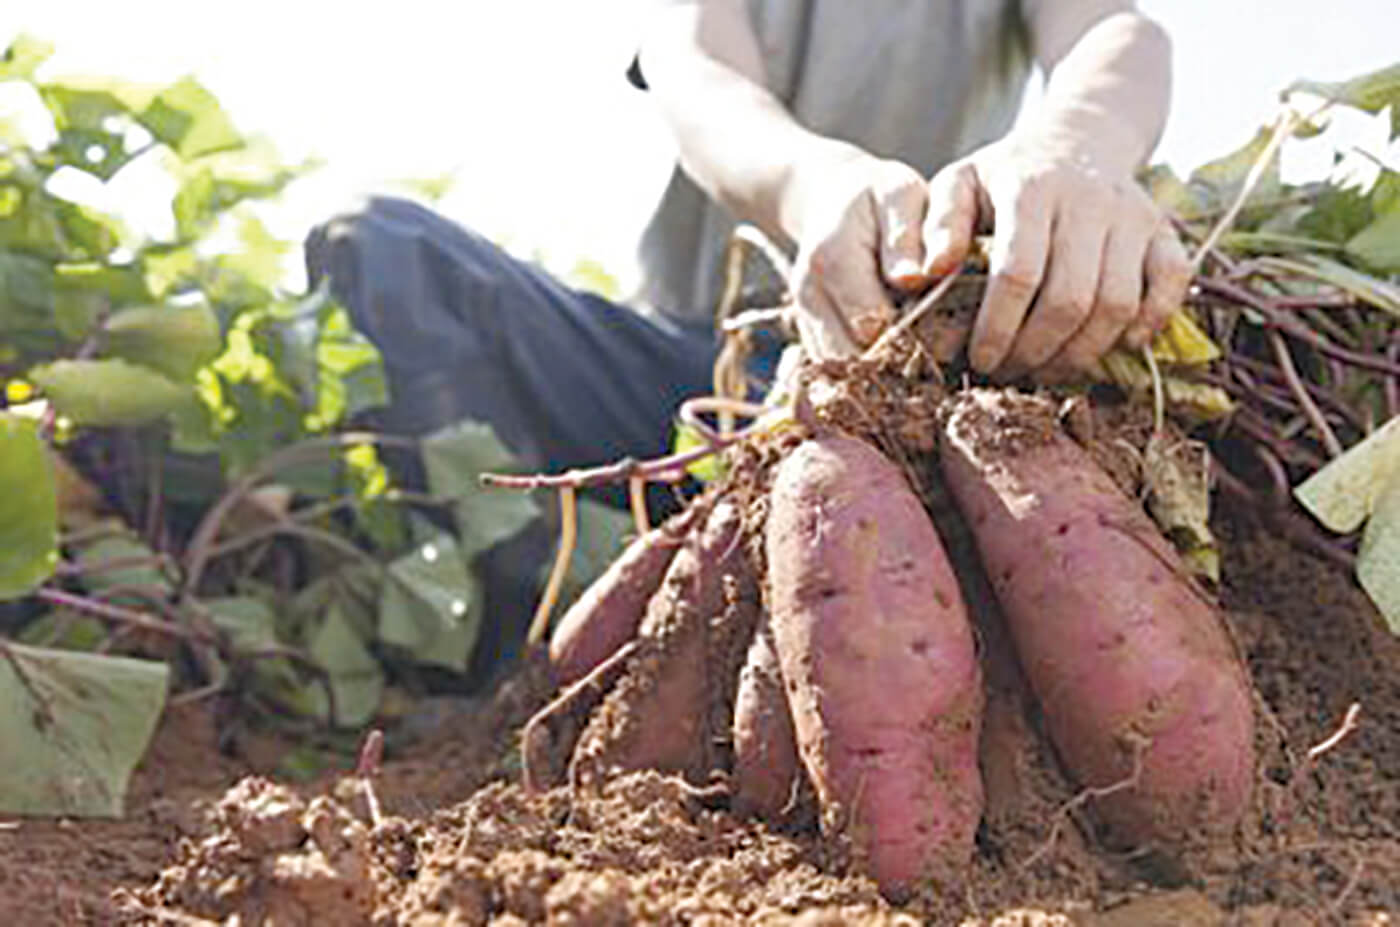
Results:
1081 258
859 239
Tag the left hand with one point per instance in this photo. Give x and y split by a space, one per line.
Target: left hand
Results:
1081 257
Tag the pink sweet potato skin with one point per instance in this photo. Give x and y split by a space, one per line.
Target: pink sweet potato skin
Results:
878 659
609 612
765 753
658 714
1131 663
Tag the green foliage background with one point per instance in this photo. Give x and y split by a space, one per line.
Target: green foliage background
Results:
246 534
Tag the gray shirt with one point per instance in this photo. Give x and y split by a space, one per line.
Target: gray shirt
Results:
922 81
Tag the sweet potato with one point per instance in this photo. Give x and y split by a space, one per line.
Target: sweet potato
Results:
608 613
1140 687
878 659
658 714
765 754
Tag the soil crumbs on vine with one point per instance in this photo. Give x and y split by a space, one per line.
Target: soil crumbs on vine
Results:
460 842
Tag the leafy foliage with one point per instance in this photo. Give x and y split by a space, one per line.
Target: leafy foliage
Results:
1307 308
240 521
28 515
81 723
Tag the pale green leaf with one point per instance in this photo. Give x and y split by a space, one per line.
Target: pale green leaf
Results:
1168 192
1218 183
166 268
84 292
1363 286
249 623
430 604
28 508
1378 560
23 55
217 183
1385 194
64 629
95 151
1343 493
1371 92
109 392
188 118
455 457
120 560
706 469
355 675
84 103
175 340
26 290
81 723
1378 245
248 276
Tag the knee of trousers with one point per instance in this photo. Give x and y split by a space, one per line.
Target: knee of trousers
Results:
415 283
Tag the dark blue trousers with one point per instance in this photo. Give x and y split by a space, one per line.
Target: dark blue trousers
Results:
566 378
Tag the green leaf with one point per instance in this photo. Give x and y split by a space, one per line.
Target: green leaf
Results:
109 392
355 675
706 469
1168 192
1378 560
1363 286
1371 92
248 621
86 234
175 340
91 104
94 151
350 373
217 183
1336 214
120 560
188 118
28 509
167 268
455 457
29 223
83 292
1218 183
251 628
1385 194
64 629
430 604
1344 493
247 277
26 292
24 54
1378 245
80 721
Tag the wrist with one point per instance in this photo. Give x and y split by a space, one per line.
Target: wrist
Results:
1086 137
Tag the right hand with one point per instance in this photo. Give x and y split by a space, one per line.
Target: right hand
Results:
860 236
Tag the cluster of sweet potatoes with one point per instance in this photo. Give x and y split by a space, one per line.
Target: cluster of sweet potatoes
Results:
808 637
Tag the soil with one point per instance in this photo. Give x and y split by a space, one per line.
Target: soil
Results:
445 834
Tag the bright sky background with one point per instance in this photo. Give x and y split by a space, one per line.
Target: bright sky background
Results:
525 99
